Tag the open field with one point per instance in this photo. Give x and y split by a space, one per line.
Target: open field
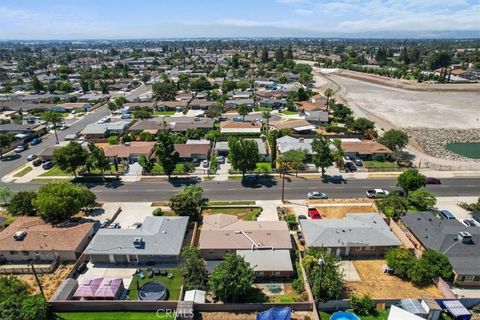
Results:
379 285
407 108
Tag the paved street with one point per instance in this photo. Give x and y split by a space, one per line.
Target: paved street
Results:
154 190
8 166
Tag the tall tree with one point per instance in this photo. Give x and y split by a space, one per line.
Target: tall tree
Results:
103 87
328 94
165 90
338 153
96 158
6 140
243 110
70 158
54 118
194 271
84 85
267 115
294 158
289 52
165 151
411 180
21 203
188 202
279 57
264 55
243 154
395 140
37 85
146 163
323 156
232 278
393 205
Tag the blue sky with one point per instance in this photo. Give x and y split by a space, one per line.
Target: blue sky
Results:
100 19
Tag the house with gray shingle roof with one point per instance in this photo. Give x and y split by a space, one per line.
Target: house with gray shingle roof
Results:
459 243
358 234
159 240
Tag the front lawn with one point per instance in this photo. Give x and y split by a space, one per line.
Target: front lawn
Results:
55 172
158 169
173 285
263 167
121 167
246 214
23 172
164 113
114 315
383 166
289 113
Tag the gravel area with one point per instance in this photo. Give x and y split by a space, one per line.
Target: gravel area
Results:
433 141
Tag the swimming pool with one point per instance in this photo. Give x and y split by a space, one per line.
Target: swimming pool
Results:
343 315
153 291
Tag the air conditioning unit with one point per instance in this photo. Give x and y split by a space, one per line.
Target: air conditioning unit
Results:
138 242
465 237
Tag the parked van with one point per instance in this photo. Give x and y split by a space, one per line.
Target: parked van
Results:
447 215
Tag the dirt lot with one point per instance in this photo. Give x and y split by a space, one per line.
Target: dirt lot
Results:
379 285
339 212
296 315
50 282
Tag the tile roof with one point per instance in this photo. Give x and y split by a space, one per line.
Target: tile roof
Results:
239 125
187 150
365 147
125 151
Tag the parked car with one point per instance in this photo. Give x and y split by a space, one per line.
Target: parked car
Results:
35 141
350 167
126 116
105 223
358 162
469 222
64 127
19 149
221 159
196 162
31 157
10 157
301 217
376 193
301 239
37 162
314 214
47 165
431 180
447 215
317 195
205 164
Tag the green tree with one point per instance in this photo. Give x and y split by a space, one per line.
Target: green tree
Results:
393 205
165 91
341 111
289 54
243 85
243 110
323 274
411 180
165 151
362 125
328 94
363 306
113 140
401 260
228 85
70 158
142 113
264 55
243 154
96 159
422 199
37 85
279 57
323 156
232 278
84 85
294 158
267 116
146 163
6 140
200 84
194 271
54 118
58 202
21 204
188 202
103 87
395 140
338 153
5 194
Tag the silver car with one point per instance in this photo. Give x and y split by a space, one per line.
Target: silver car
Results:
317 195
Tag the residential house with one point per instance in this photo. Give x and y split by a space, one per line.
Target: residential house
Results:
459 243
222 149
287 143
273 103
129 152
234 104
269 263
30 238
68 107
223 233
193 151
240 127
356 235
297 125
176 105
158 241
364 149
101 131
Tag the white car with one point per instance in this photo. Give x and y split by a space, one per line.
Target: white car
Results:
31 157
376 193
64 127
317 195
19 149
470 223
205 163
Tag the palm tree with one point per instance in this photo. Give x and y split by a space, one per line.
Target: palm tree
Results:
267 115
338 153
328 93
54 118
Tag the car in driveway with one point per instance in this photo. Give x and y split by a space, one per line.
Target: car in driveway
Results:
314 214
19 149
469 223
376 193
47 165
35 141
137 225
37 162
31 157
432 180
317 195
301 217
205 164
358 162
221 159
447 215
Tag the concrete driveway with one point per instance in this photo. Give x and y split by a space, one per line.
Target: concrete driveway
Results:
451 204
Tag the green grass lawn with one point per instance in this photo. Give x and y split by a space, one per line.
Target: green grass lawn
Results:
381 166
173 284
263 167
164 113
247 214
23 172
158 169
382 315
235 178
121 166
114 316
288 113
55 172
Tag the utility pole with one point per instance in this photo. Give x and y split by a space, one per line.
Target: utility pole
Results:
37 279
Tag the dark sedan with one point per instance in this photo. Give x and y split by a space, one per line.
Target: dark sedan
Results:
431 180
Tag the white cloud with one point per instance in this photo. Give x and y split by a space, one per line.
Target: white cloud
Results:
303 12
241 23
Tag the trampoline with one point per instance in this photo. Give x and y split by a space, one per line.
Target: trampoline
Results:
153 291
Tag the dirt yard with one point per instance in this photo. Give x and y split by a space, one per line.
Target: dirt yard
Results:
50 282
339 212
379 285
296 315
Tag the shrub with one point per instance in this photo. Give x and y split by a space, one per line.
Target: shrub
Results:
298 286
113 140
363 306
292 222
157 212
